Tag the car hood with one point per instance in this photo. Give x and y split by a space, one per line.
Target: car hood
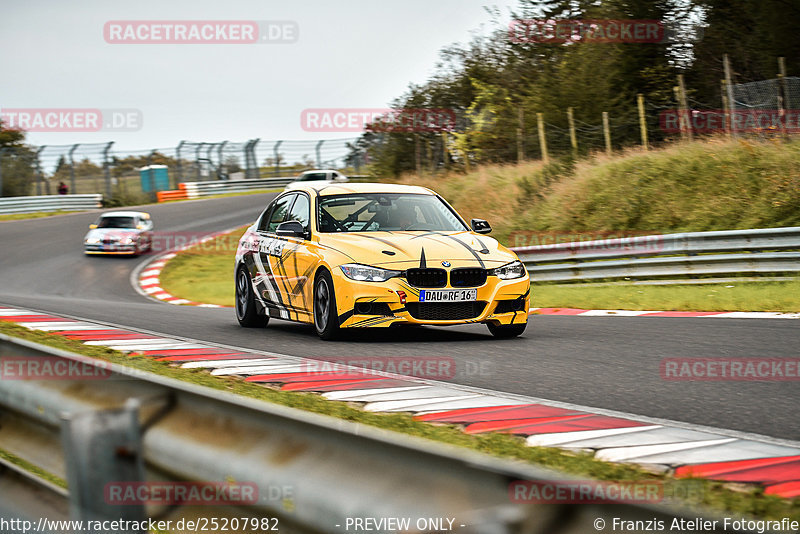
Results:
116 233
415 249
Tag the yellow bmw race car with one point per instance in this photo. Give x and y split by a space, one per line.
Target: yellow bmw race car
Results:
356 255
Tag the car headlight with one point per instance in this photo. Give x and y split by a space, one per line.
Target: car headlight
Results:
509 271
93 241
126 241
365 273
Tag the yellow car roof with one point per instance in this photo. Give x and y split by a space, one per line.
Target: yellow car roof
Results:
343 188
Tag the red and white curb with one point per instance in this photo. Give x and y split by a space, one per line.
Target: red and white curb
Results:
147 278
683 449
647 313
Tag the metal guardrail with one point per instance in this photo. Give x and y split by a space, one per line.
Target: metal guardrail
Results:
33 204
313 472
218 187
759 251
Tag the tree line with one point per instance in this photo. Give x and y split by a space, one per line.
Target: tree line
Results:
498 84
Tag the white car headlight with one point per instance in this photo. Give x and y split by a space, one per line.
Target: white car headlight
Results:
93 241
509 271
365 273
126 241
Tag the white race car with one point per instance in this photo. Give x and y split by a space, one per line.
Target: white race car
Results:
120 232
319 175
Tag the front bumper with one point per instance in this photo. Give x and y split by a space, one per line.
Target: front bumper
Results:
354 297
109 249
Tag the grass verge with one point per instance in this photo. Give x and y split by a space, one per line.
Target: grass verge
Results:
29 467
734 296
204 272
34 215
710 184
739 499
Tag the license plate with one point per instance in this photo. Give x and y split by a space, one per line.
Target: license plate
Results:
448 295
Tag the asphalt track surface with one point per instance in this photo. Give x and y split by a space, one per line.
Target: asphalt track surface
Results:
603 362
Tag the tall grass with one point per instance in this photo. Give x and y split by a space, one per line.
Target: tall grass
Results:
713 184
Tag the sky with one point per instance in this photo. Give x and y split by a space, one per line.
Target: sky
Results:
353 54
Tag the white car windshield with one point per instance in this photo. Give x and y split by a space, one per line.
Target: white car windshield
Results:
116 222
382 212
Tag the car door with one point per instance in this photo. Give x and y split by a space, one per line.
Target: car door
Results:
269 280
300 259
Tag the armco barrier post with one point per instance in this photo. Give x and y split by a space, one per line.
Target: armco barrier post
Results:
103 447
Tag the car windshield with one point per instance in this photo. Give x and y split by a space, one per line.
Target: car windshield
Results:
116 222
382 212
311 177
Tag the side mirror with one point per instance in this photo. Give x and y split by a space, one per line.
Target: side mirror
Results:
92 226
479 226
291 229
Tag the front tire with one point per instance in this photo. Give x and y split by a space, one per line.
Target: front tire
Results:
505 331
246 312
326 321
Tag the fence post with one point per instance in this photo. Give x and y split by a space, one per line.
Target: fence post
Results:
150 179
107 168
445 151
726 107
726 63
277 158
642 120
607 133
197 161
221 169
542 138
783 93
179 165
573 139
681 117
784 88
520 134
685 107
252 170
72 185
417 154
39 176
2 151
319 157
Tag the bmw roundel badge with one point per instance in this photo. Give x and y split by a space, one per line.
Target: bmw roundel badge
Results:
445 263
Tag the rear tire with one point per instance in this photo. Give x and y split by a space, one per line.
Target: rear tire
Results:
505 331
326 321
246 312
